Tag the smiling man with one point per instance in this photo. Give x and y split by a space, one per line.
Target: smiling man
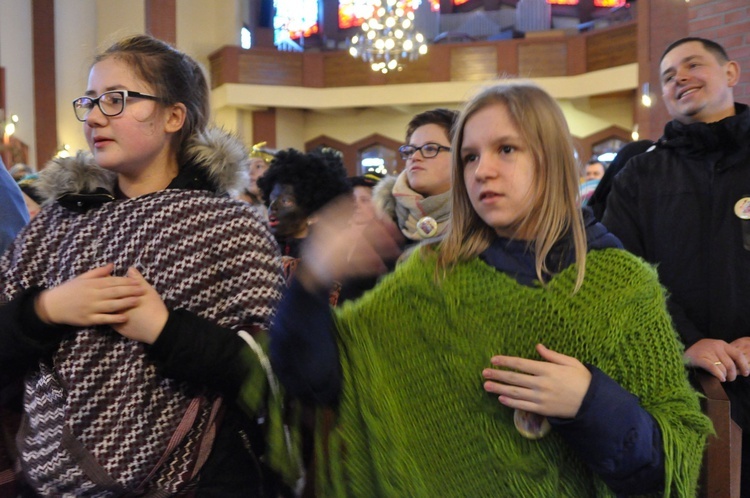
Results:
685 206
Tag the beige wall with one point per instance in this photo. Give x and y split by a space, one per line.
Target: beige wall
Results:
351 125
116 19
585 117
204 27
16 57
82 29
590 115
290 128
74 50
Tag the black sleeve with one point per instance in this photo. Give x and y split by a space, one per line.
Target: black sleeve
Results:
304 353
689 333
622 219
24 338
616 437
195 350
621 216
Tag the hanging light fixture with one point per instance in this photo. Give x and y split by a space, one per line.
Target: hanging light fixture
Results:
388 38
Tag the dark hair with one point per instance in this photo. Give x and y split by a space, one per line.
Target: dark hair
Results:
368 180
316 178
174 76
710 45
444 118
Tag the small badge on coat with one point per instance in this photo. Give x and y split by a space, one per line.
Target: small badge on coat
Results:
531 425
427 227
742 208
742 211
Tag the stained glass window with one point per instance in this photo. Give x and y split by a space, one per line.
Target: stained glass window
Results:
295 19
353 13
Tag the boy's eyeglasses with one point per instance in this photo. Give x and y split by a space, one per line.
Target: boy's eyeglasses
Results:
428 150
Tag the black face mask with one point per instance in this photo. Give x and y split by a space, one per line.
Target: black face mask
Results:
285 217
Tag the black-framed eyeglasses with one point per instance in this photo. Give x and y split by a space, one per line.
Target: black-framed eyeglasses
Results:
427 150
110 103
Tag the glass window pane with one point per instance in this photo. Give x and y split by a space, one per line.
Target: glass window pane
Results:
377 158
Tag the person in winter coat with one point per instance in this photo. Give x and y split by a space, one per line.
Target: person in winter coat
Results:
260 160
685 206
13 213
525 354
418 199
130 302
295 186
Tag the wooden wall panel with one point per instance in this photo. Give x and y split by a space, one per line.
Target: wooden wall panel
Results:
270 68
45 105
507 58
2 92
417 71
538 60
224 66
161 20
474 63
264 127
612 48
525 58
341 69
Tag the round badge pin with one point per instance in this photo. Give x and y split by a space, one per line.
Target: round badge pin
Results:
742 208
531 425
427 227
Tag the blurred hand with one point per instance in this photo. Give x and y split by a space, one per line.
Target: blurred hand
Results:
722 360
554 387
92 298
146 320
336 250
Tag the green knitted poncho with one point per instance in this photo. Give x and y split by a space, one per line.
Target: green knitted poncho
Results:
414 420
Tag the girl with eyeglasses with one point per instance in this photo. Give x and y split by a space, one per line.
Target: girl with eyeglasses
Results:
134 304
524 355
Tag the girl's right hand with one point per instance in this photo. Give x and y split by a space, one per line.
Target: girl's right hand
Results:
336 250
92 298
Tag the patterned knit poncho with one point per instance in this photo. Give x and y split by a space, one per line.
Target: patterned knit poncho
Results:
415 421
99 419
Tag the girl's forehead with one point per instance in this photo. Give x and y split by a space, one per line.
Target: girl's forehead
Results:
113 73
427 131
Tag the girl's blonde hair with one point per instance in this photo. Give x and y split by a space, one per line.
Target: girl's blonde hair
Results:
554 198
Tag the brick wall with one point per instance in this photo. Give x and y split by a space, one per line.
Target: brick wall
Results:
728 23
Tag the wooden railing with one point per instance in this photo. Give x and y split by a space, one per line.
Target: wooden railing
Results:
553 54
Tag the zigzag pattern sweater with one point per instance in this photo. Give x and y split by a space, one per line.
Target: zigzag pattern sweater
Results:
413 417
99 419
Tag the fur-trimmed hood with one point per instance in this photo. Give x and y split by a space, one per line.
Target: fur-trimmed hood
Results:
220 155
382 196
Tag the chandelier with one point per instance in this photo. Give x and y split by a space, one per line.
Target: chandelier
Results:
388 38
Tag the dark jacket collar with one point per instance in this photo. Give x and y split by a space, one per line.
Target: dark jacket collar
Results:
516 257
729 134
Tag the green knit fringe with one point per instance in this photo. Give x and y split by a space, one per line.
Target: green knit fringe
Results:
283 448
